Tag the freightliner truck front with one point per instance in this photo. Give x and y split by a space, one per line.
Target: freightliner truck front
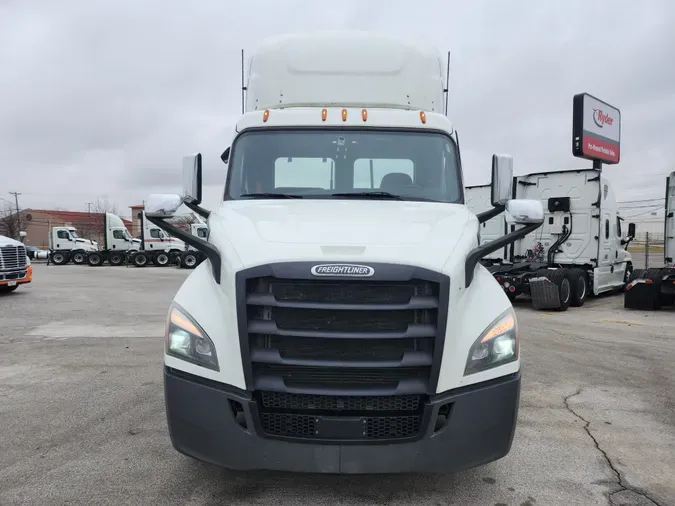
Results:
342 322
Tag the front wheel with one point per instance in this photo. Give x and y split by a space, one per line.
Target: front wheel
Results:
8 289
95 259
59 258
140 260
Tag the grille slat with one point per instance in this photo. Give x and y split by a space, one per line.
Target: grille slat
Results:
320 349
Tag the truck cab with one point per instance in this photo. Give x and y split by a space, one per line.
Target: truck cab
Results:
65 245
118 243
157 246
342 322
15 267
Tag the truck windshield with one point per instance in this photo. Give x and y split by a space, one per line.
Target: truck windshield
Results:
345 163
73 234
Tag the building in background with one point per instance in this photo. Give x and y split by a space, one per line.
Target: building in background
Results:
37 223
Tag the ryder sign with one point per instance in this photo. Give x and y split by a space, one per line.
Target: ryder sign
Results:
596 130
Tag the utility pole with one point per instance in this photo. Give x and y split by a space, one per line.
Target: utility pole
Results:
18 216
89 204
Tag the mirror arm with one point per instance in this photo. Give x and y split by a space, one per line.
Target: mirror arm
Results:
204 213
476 254
491 213
208 249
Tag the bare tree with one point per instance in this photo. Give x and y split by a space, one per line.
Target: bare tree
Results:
96 223
9 222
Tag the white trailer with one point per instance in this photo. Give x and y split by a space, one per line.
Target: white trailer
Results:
65 245
655 287
580 248
342 322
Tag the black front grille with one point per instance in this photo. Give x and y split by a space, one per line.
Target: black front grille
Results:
362 351
357 404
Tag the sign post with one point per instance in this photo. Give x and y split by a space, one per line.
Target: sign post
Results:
596 131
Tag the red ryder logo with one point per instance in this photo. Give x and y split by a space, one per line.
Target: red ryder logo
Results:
601 119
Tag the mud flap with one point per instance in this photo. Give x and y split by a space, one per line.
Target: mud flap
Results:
641 294
544 293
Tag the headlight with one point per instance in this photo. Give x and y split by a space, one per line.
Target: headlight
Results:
498 345
186 340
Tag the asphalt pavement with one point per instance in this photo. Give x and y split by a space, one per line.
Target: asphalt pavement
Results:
82 415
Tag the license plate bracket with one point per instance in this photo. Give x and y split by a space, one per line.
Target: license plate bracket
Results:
336 427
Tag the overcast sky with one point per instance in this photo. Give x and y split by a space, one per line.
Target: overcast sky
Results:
104 97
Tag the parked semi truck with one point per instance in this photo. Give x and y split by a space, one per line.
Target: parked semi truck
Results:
15 267
117 243
342 322
157 247
65 246
655 287
580 249
192 257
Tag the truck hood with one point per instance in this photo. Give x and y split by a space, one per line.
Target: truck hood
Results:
415 233
8 241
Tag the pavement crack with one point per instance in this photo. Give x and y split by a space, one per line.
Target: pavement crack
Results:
620 482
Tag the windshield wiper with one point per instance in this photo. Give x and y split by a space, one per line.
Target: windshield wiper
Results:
374 195
270 196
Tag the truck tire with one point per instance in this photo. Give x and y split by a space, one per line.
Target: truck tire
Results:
95 259
60 258
561 278
140 259
189 261
8 289
116 258
79 257
579 286
162 259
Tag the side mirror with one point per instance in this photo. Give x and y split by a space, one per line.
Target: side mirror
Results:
192 179
502 179
225 157
524 212
631 230
163 205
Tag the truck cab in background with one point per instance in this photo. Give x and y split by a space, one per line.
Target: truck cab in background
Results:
157 246
655 287
118 243
65 245
342 321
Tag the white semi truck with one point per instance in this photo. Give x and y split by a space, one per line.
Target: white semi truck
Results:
342 322
118 243
65 245
157 247
15 267
192 257
579 250
655 287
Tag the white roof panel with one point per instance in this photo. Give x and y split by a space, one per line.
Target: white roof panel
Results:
345 68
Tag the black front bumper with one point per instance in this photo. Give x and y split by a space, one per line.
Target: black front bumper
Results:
479 429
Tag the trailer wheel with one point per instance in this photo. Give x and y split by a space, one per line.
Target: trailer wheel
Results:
189 261
59 258
95 259
116 258
140 260
162 259
579 286
561 278
79 257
